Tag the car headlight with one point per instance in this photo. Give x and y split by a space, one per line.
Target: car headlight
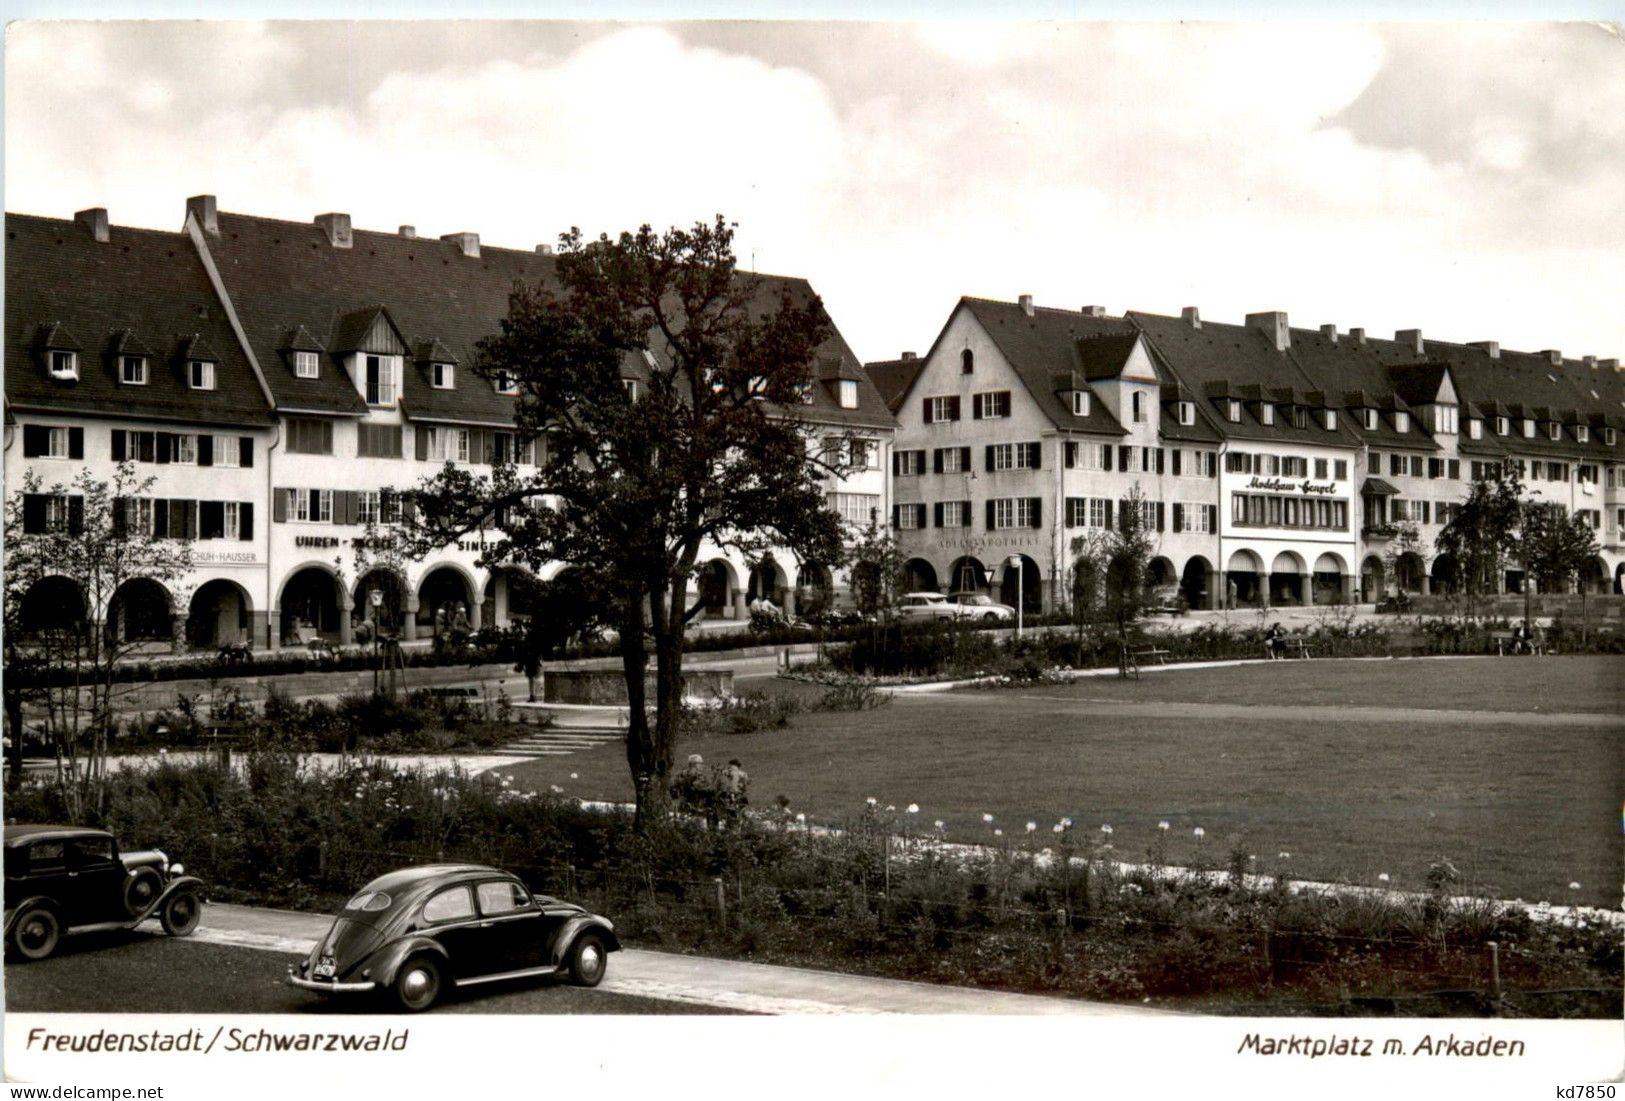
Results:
177 868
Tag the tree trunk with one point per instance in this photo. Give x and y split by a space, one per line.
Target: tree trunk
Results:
668 638
640 747
14 726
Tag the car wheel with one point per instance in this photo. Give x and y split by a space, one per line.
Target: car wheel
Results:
589 959
180 914
991 617
36 933
417 985
140 889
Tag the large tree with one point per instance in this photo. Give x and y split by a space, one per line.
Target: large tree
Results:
80 542
1553 545
1482 535
662 385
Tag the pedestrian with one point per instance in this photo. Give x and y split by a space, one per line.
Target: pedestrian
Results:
689 788
1231 589
735 782
1275 641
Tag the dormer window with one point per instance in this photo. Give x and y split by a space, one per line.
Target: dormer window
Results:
967 362
64 365
381 379
1528 428
804 390
1475 429
441 377
631 387
1233 411
1185 411
848 392
1555 431
1402 422
201 373
1266 413
133 370
1331 420
1445 419
306 365
1608 436
1300 417
1371 420
505 383
1137 403
1080 403
1582 433
1503 425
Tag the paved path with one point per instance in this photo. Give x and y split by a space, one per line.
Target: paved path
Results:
696 980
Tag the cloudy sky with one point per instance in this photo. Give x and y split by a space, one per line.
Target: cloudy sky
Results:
1466 179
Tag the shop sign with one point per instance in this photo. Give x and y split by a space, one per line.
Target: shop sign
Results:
1279 485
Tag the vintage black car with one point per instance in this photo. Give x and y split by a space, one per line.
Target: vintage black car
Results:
414 933
67 879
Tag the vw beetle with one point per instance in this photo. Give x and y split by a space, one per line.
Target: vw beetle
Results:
62 880
414 933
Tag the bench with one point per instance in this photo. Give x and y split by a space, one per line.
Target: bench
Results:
1502 641
1131 660
459 692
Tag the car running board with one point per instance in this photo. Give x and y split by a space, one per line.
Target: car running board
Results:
526 973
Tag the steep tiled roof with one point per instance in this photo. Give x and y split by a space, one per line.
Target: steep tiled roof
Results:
143 290
285 278
1040 345
1218 360
1355 375
893 377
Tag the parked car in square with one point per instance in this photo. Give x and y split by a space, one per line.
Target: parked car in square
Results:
63 880
926 605
415 933
974 605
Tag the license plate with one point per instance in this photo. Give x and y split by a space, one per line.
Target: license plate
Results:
324 967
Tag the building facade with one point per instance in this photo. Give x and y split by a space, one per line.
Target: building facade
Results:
282 382
1274 465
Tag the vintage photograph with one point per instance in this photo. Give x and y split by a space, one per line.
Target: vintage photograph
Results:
989 521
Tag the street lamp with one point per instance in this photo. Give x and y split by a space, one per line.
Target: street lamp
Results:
1014 563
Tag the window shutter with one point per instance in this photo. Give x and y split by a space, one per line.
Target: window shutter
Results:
1179 510
279 505
352 507
1160 461
1037 511
421 436
953 408
160 518
479 446
205 449
145 447
1070 459
896 514
989 458
33 513
926 402
964 459
1111 521
373 365
1213 466
76 443
76 515
976 407
964 514
1123 453
1161 517
409 508
1123 506
991 526
245 521
211 519
936 514
1036 453
327 437
936 461
896 463
120 516
1178 451
1212 518
245 451
166 441
118 445
1106 455
36 440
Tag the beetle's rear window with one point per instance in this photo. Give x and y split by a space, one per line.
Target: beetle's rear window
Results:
369 901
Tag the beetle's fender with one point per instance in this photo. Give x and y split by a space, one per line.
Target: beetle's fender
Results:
45 901
570 930
171 889
384 963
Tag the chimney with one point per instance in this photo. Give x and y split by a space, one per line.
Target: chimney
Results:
1591 362
1272 324
1329 332
1553 356
95 220
203 208
1491 348
544 250
469 243
1093 311
409 232
1026 301
1357 335
909 355
1191 316
337 228
1410 337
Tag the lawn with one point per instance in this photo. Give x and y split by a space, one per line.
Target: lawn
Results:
1521 809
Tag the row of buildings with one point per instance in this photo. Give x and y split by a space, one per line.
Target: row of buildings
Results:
275 379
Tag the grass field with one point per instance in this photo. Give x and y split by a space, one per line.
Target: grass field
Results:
1521 806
